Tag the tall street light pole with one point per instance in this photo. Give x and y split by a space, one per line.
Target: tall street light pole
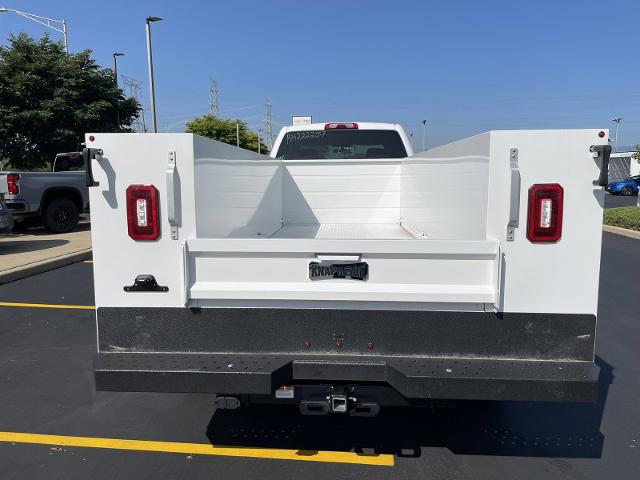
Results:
115 78
424 135
154 124
617 122
52 23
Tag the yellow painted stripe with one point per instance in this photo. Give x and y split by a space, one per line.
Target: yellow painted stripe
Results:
87 261
46 305
198 449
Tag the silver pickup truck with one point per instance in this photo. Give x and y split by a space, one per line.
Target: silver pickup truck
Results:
55 198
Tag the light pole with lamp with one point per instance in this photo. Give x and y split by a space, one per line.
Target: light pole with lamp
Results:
51 23
617 122
154 124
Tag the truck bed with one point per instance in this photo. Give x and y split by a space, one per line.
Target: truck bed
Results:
417 274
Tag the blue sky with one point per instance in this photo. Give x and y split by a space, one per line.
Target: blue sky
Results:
465 66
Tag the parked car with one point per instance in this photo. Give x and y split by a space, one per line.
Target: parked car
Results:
6 219
55 198
628 186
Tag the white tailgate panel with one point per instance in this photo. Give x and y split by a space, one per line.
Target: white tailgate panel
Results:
399 271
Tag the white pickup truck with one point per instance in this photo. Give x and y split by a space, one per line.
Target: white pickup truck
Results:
346 273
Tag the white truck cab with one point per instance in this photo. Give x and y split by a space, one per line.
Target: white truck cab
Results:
344 272
342 140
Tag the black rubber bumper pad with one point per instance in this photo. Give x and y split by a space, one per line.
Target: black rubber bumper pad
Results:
412 377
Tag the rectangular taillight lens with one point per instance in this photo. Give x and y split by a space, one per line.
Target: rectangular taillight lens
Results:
142 212
544 224
12 184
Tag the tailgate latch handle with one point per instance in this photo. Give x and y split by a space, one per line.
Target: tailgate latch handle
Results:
514 208
603 152
89 154
172 191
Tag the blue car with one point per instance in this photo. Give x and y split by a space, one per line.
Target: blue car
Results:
628 186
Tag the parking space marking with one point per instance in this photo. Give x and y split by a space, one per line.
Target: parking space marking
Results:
87 261
386 460
46 305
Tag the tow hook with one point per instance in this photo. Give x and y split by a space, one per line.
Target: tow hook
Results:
227 403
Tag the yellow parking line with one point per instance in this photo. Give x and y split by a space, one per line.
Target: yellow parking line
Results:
87 261
46 305
386 460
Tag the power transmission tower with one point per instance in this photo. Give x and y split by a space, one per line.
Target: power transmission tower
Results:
133 89
213 97
268 128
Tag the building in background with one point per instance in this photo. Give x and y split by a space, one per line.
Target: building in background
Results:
622 164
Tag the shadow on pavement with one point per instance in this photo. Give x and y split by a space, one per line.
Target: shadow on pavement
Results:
528 429
39 230
9 247
613 201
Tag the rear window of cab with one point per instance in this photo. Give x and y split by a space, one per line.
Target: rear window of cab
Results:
341 144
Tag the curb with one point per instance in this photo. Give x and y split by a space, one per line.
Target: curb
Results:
41 266
622 231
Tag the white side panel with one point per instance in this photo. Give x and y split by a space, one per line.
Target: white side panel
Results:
444 190
634 167
236 198
238 193
138 159
559 277
327 191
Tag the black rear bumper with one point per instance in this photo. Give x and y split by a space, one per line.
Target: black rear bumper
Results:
420 355
413 378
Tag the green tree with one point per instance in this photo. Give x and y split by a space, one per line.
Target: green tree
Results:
224 130
49 100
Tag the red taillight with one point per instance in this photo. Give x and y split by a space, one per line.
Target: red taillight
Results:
12 184
331 126
544 224
142 212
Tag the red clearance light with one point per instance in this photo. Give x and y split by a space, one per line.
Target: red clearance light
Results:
142 212
544 224
332 126
12 186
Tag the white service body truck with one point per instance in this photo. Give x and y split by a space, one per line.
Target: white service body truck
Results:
345 273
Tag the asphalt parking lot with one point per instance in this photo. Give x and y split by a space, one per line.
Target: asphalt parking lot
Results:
46 388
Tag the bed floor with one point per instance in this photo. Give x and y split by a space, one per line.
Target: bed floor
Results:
345 231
